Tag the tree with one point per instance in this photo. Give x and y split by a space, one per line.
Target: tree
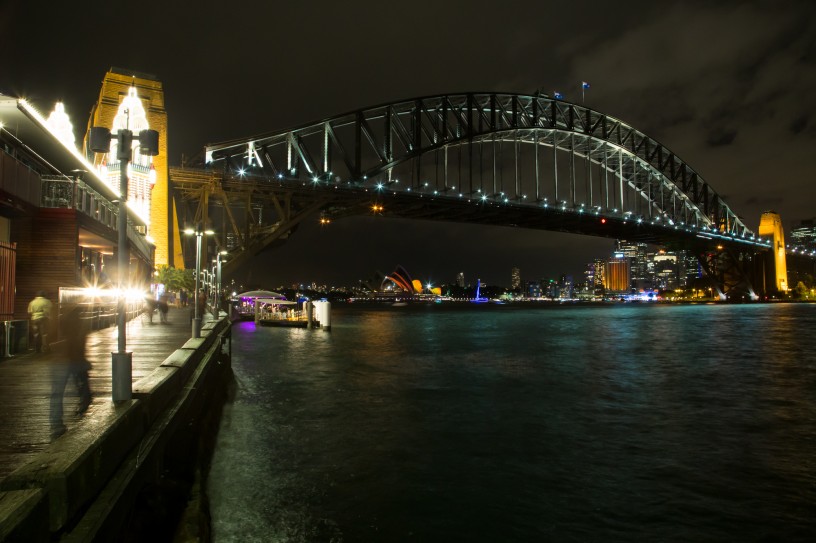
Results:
801 291
175 279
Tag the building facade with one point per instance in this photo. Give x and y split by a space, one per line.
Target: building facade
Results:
460 280
803 236
136 101
617 278
515 279
58 219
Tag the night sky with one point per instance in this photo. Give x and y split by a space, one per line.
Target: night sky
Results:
729 86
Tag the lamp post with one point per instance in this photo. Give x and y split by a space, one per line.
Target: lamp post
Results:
100 138
218 261
196 313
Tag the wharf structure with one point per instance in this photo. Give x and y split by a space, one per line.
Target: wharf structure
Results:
59 233
58 202
58 216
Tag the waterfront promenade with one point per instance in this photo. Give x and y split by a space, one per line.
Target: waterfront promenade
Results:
25 382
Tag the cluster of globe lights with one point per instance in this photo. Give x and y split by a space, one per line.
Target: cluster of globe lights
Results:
803 250
502 198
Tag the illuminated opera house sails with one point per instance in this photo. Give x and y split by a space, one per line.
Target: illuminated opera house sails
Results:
402 279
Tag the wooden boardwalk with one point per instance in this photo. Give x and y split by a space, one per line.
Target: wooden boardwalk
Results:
25 382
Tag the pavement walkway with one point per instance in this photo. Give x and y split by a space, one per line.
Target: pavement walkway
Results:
25 382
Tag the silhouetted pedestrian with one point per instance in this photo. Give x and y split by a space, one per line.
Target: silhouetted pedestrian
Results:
163 308
39 311
202 303
70 363
148 308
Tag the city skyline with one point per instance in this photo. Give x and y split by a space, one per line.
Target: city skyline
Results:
734 88
517 279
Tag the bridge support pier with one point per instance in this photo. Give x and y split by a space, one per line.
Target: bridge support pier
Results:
776 267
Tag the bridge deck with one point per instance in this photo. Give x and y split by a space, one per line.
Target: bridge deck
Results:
25 382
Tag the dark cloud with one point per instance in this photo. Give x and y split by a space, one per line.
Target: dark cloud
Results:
771 200
721 137
798 125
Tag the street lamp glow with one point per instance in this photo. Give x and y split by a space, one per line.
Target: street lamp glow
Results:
218 294
196 332
147 141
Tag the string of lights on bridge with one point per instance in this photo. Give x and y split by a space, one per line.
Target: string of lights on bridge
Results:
501 198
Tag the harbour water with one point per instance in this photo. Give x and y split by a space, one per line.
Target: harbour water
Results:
628 422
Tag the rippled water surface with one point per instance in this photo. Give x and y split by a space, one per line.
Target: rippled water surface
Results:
518 423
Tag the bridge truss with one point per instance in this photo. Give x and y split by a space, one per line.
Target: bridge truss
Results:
505 159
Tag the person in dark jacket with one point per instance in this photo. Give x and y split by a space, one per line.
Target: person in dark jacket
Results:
70 363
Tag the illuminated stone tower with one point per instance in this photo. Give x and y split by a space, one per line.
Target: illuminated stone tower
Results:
148 186
770 226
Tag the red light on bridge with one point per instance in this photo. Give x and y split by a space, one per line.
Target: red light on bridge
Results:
603 221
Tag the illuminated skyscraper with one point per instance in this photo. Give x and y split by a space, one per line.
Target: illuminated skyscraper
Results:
515 279
596 280
460 279
566 285
533 289
617 277
666 271
804 235
636 254
589 274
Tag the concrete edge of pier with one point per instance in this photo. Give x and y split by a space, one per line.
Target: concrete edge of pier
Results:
83 486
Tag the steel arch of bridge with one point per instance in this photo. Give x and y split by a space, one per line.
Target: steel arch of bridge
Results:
636 178
486 158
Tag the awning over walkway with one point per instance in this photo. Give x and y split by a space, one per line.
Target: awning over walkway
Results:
260 294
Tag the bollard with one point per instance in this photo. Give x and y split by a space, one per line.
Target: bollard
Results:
121 373
323 313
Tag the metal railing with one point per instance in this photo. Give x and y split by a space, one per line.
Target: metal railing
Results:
13 337
19 180
62 192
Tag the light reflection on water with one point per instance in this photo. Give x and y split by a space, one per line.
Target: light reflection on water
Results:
504 423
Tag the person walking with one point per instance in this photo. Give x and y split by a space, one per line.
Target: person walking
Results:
39 311
163 308
70 363
148 308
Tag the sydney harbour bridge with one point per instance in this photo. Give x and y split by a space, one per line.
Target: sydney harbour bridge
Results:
525 161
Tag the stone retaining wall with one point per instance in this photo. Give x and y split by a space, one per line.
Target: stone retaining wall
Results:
83 486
